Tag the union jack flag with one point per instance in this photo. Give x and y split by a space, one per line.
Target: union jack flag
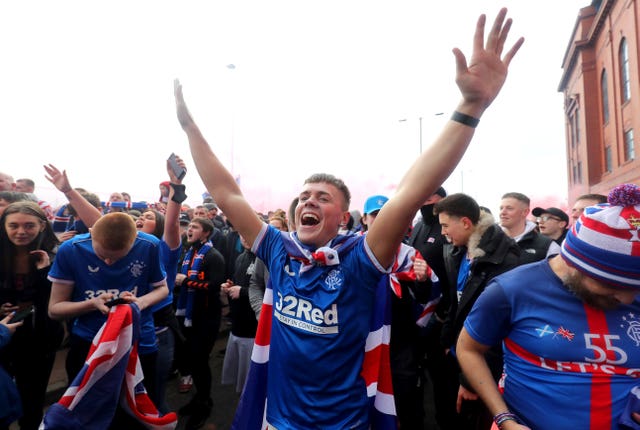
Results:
565 333
403 270
112 374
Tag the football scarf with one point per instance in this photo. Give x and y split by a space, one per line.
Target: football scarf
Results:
191 266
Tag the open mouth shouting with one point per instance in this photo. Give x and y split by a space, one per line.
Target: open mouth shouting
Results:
309 219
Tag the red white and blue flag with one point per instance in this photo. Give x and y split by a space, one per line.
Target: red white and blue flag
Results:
426 310
111 375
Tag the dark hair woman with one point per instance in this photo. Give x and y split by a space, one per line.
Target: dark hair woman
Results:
27 247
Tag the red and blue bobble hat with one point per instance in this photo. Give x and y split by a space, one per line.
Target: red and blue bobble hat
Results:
604 244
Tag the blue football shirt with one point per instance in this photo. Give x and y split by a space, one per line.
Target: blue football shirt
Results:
320 325
138 272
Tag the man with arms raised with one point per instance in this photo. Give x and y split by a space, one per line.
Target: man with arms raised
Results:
323 284
568 326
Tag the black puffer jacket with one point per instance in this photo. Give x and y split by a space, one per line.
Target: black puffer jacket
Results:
492 253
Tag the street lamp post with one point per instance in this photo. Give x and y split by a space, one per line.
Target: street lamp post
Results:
420 128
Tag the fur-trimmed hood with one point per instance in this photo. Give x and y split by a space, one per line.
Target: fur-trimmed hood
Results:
474 248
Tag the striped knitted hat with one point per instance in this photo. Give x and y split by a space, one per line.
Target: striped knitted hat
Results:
604 243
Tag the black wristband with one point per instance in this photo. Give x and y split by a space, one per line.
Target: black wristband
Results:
179 195
465 119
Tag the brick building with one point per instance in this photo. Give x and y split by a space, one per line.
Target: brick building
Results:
601 87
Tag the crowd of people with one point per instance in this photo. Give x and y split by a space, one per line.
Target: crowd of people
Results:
524 321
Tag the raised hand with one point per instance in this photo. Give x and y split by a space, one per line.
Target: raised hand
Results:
480 81
184 117
57 178
172 176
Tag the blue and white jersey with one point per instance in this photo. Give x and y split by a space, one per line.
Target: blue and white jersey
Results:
138 272
169 258
567 365
321 319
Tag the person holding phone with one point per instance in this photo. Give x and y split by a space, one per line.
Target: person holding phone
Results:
167 229
27 244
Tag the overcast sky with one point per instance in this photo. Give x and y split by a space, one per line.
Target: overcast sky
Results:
317 86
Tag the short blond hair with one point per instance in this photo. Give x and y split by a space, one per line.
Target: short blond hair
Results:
115 231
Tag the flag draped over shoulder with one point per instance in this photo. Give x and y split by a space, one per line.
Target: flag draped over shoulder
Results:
112 374
376 369
402 270
424 311
251 411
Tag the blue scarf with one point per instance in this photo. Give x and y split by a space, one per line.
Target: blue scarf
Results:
191 267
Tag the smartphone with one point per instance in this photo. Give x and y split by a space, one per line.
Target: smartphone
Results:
177 169
113 302
22 314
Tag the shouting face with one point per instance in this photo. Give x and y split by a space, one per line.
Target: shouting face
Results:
319 213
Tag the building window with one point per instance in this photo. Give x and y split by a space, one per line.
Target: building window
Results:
579 172
604 92
572 133
608 160
574 127
576 118
629 150
625 79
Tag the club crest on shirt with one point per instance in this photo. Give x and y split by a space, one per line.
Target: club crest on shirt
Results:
334 279
632 326
136 268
